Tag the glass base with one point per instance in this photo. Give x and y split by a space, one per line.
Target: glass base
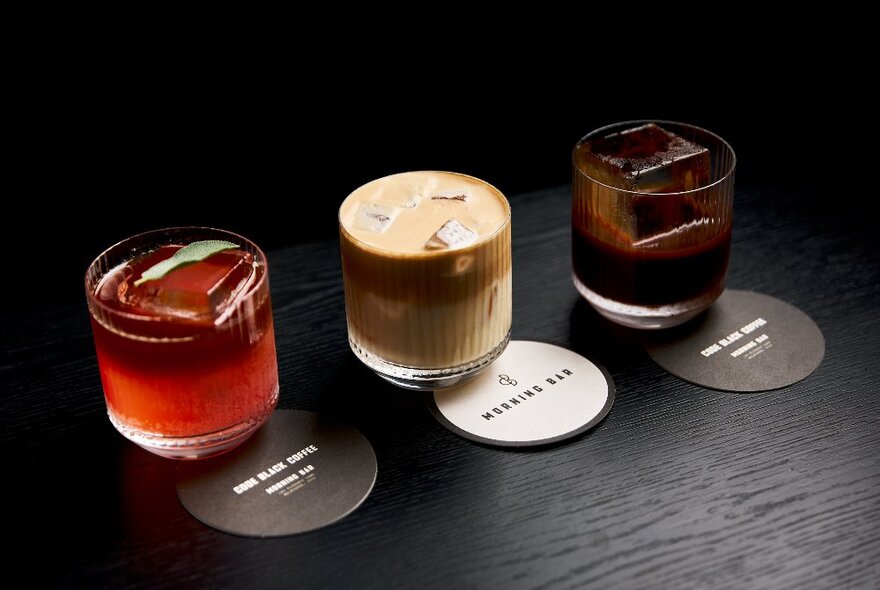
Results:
428 379
193 447
646 317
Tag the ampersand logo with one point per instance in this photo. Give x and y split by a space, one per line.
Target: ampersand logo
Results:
505 380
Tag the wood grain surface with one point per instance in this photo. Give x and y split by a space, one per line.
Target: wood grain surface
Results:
679 487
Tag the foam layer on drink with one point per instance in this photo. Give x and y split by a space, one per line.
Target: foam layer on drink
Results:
426 260
403 212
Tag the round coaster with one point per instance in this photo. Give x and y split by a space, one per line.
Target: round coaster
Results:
745 342
533 394
299 472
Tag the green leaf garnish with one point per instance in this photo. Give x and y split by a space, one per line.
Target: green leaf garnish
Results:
195 252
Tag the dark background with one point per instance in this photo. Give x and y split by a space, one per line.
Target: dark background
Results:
266 137
114 135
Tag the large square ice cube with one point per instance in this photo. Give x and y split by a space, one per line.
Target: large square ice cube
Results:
646 159
199 291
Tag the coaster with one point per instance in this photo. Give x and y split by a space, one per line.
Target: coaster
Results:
745 342
301 471
533 394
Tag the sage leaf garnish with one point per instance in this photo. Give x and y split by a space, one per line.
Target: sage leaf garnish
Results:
189 254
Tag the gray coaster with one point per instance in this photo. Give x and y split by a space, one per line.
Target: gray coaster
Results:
533 394
299 472
745 342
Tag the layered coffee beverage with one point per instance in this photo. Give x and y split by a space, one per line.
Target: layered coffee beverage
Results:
427 270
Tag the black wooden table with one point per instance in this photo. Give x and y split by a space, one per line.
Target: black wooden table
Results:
680 487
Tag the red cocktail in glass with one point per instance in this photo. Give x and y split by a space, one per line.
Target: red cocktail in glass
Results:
187 361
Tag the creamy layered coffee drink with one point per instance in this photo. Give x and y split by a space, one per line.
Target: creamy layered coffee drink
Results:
427 270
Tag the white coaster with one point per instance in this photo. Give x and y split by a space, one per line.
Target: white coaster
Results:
533 394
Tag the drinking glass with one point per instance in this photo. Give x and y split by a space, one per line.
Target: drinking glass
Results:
652 252
426 316
187 362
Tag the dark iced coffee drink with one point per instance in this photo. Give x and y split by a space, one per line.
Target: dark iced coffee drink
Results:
651 215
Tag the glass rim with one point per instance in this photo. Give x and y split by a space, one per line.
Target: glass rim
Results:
94 300
429 253
724 177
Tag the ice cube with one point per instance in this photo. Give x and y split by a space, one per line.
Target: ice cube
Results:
374 217
200 291
452 234
647 159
